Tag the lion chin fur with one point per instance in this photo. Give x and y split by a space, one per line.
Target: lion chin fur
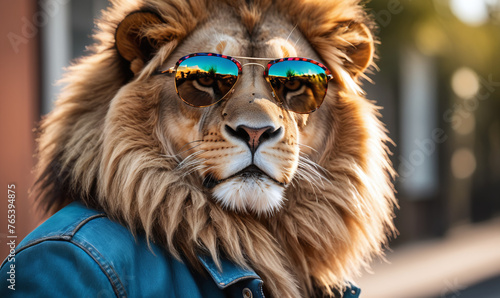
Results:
114 143
257 196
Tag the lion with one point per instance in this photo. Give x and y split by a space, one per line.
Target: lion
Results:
305 199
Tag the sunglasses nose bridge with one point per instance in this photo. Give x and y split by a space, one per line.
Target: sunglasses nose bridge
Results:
252 84
253 63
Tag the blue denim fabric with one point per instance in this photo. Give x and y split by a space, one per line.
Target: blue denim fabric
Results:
79 252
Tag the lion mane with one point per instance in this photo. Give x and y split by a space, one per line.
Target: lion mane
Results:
102 145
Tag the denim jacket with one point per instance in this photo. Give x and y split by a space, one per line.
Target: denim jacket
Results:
79 252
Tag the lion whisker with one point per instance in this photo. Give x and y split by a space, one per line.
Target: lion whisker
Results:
313 187
190 160
305 158
191 166
312 173
194 169
296 42
181 152
295 27
308 147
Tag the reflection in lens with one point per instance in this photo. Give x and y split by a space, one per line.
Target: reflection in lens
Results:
299 85
204 80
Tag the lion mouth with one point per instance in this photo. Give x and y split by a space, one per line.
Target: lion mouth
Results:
250 172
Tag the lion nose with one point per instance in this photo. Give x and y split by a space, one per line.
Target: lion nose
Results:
254 136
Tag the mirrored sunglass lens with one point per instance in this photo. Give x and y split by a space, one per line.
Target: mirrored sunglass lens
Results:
300 85
204 80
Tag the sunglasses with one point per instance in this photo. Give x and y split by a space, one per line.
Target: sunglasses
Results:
204 79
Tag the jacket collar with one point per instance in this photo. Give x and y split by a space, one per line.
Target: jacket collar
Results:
228 273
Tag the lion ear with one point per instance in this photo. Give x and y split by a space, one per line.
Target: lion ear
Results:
360 47
132 42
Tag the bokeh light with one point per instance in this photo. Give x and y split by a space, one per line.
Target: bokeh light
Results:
463 163
471 12
465 83
430 38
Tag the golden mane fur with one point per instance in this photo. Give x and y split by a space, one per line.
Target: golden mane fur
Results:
93 150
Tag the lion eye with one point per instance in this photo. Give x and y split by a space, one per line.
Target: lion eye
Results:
293 85
205 81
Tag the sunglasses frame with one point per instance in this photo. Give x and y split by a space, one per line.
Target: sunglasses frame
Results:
271 62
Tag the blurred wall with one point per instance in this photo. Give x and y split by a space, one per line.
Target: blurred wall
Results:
19 100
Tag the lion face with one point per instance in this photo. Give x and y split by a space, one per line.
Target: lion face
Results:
246 148
195 180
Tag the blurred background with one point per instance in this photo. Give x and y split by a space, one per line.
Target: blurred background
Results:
438 82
